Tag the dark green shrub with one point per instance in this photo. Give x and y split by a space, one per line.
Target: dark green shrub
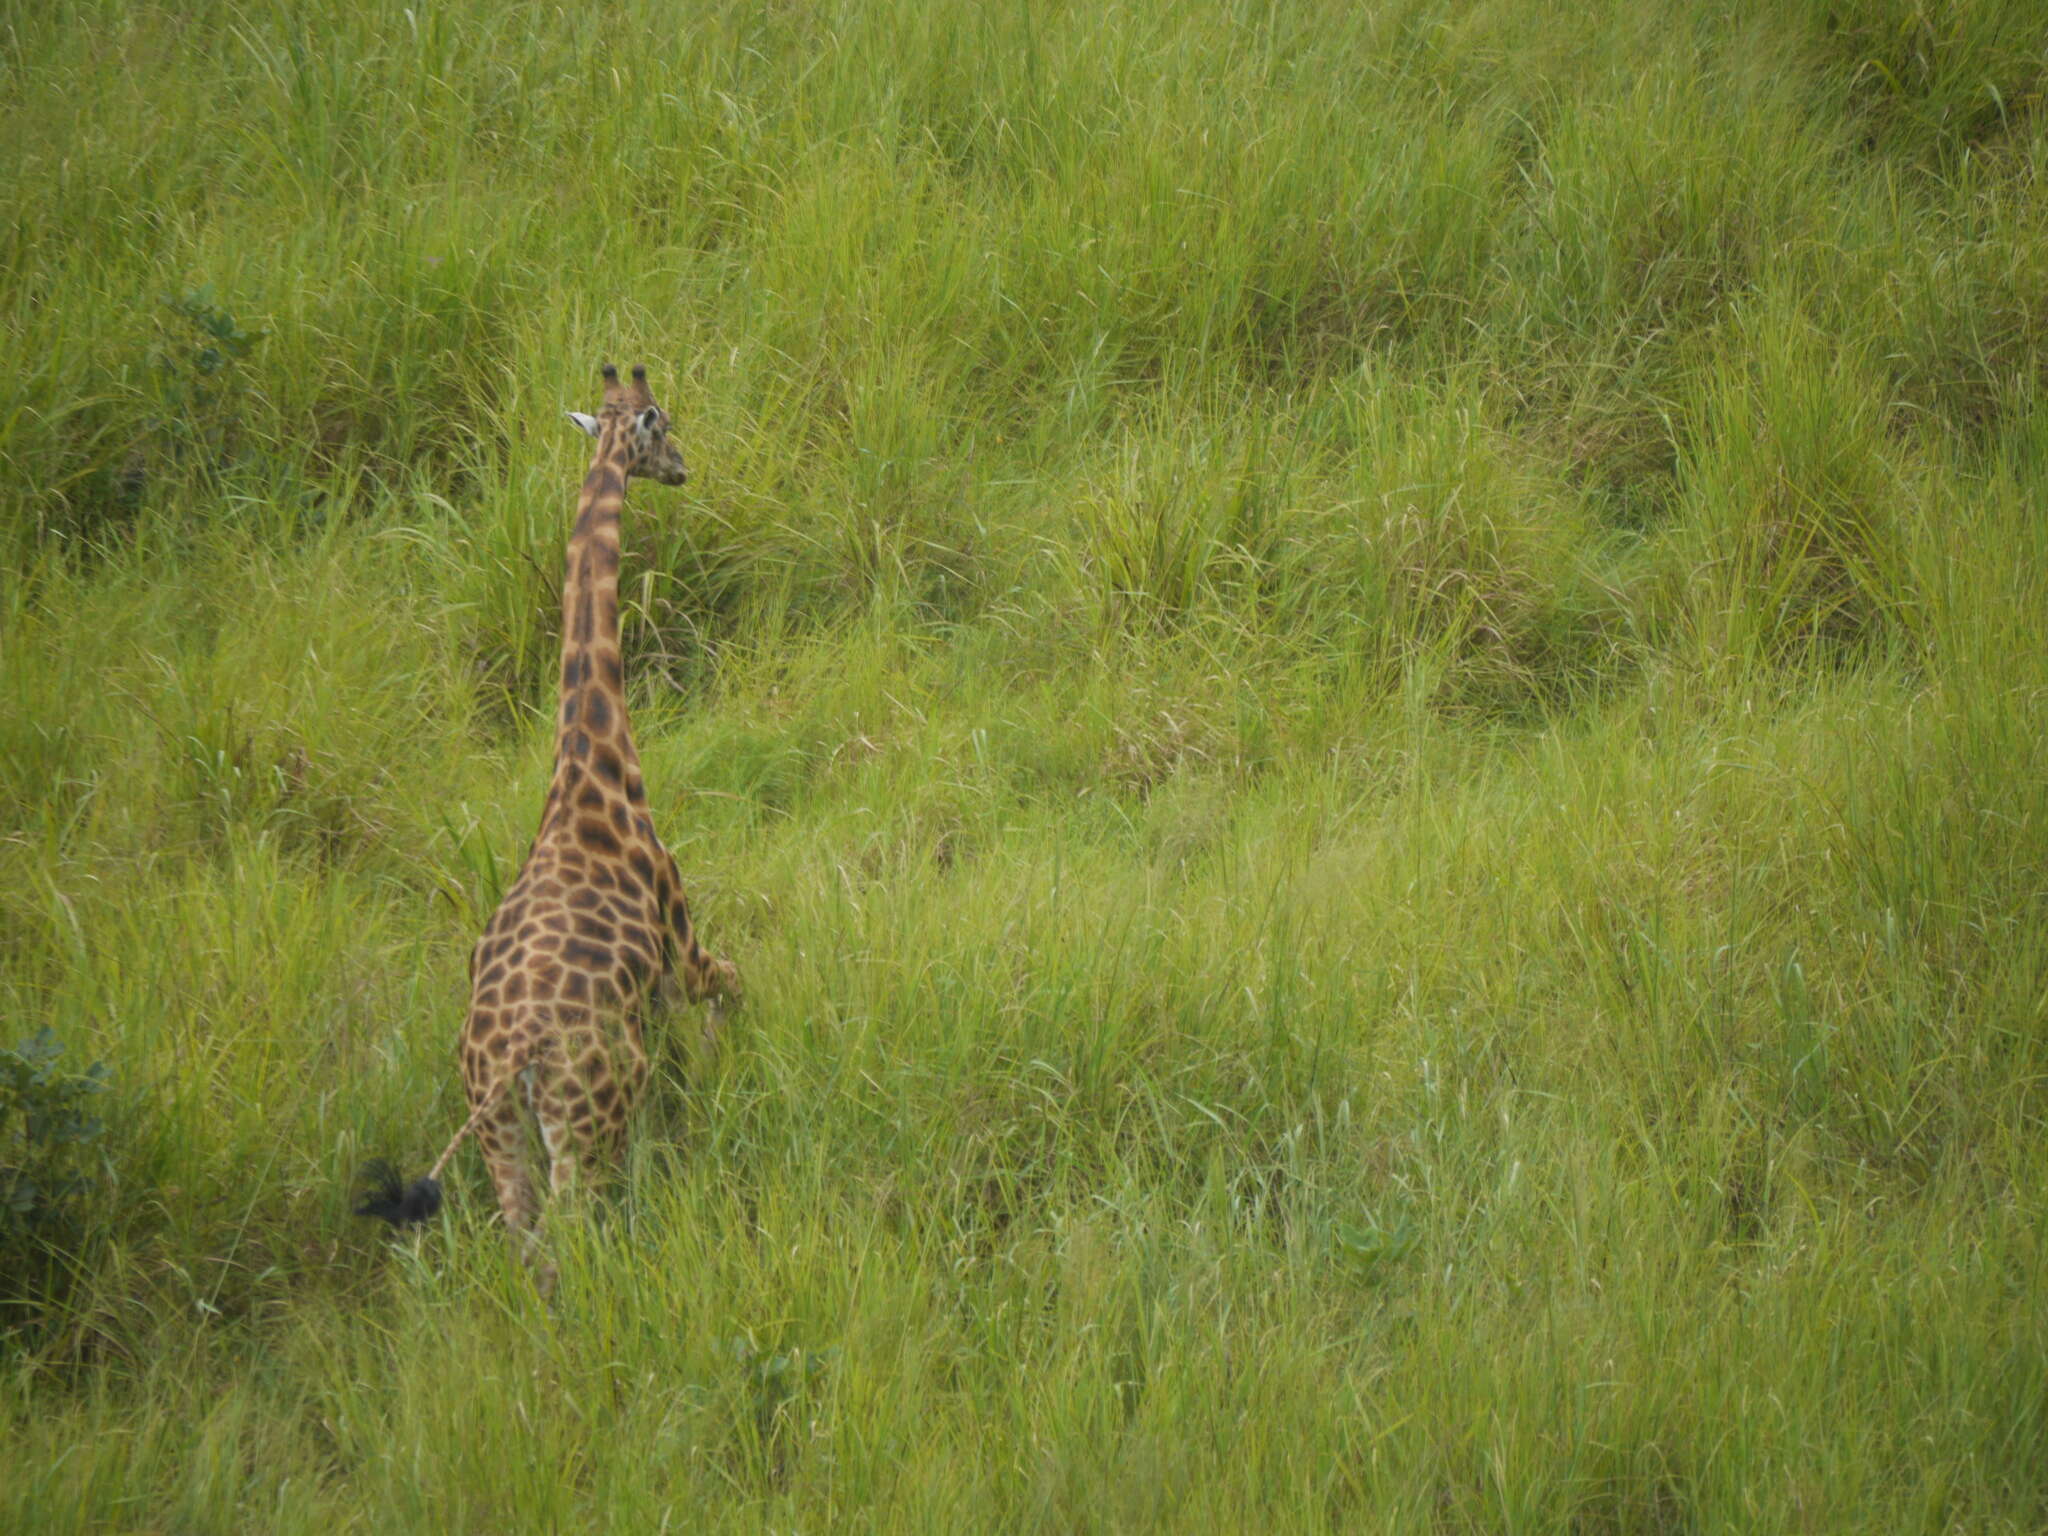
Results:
200 371
46 1125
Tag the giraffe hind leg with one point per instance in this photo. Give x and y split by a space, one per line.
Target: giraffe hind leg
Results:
507 1150
503 1137
577 1161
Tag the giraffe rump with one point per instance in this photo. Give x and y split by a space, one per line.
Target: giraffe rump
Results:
386 1195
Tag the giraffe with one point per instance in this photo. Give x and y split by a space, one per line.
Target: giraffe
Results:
595 929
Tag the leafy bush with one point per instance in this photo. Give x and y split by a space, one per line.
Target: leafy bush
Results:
45 1125
200 372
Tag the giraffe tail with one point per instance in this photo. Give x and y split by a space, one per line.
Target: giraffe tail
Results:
387 1196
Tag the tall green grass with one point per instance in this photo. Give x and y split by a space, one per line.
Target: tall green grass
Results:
1361 686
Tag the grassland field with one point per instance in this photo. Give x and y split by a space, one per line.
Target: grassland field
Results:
1364 687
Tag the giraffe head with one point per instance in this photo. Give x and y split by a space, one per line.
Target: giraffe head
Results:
631 410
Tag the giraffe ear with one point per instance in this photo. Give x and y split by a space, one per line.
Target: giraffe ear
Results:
587 423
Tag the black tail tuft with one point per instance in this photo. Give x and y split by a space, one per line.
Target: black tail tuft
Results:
387 1195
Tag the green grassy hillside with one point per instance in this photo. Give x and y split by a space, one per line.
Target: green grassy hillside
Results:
1363 687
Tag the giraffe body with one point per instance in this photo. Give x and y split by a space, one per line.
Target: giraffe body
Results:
595 930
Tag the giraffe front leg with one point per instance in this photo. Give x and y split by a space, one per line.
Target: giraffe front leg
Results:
703 976
712 980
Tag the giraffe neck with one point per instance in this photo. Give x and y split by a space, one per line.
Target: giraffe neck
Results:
593 698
